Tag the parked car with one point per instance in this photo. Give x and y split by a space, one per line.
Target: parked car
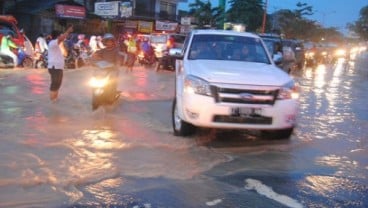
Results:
218 88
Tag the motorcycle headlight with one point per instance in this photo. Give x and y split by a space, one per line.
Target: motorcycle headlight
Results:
289 91
196 85
340 52
309 54
98 82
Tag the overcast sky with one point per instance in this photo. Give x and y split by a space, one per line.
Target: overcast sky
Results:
330 13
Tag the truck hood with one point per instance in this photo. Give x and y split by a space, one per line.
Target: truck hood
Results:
237 72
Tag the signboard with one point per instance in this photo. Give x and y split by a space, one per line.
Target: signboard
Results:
107 8
185 21
69 11
184 29
131 24
145 27
167 26
126 9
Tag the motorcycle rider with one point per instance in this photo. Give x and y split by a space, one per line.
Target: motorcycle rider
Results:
41 44
6 47
111 54
132 49
148 51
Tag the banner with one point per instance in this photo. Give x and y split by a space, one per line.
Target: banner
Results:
167 26
126 9
69 11
185 21
107 8
131 24
145 27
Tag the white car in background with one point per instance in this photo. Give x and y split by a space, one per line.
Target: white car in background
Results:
218 89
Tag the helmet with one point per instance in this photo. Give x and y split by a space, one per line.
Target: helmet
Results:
108 36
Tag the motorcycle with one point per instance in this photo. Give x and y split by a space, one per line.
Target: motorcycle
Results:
166 61
24 60
147 58
104 84
310 59
41 60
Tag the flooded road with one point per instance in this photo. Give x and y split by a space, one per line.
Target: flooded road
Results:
65 155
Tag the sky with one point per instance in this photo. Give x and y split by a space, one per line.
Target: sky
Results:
329 13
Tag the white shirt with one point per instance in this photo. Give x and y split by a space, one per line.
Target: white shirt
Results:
41 44
55 56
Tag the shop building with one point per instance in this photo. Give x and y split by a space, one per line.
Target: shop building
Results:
94 16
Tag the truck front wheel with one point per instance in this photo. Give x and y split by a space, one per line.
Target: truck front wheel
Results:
180 127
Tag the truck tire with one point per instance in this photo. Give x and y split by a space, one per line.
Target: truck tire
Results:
180 127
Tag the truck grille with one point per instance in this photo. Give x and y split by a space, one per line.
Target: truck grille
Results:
245 95
242 119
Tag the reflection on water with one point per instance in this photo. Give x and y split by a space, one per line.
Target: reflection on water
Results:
325 185
334 160
36 83
336 191
328 101
63 153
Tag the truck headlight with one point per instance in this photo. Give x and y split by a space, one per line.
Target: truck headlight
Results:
196 85
289 91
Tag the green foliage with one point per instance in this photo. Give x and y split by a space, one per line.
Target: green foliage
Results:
249 13
205 15
360 27
293 24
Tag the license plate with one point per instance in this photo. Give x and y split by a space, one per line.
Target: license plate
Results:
246 111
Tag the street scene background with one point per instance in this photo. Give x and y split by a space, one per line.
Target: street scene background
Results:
66 155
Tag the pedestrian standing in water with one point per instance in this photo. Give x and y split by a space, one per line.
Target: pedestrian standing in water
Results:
56 61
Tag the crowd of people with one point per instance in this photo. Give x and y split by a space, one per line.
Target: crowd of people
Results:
75 47
60 48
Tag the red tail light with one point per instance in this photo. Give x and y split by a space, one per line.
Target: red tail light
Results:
170 43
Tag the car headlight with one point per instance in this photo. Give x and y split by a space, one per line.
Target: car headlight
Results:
289 91
196 85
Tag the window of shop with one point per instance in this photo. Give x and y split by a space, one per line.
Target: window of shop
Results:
168 7
144 8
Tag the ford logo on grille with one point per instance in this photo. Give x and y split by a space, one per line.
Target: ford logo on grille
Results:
246 96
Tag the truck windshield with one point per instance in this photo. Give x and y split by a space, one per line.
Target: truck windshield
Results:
228 47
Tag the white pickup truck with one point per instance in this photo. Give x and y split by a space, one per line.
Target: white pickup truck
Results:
228 80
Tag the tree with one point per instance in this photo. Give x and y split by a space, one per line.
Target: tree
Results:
249 13
205 16
294 24
303 9
361 25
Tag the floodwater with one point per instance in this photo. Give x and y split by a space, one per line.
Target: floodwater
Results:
66 155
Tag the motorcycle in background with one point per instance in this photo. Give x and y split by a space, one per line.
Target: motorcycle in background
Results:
104 84
166 62
24 60
147 58
40 60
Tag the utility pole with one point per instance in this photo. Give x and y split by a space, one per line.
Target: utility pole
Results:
264 17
